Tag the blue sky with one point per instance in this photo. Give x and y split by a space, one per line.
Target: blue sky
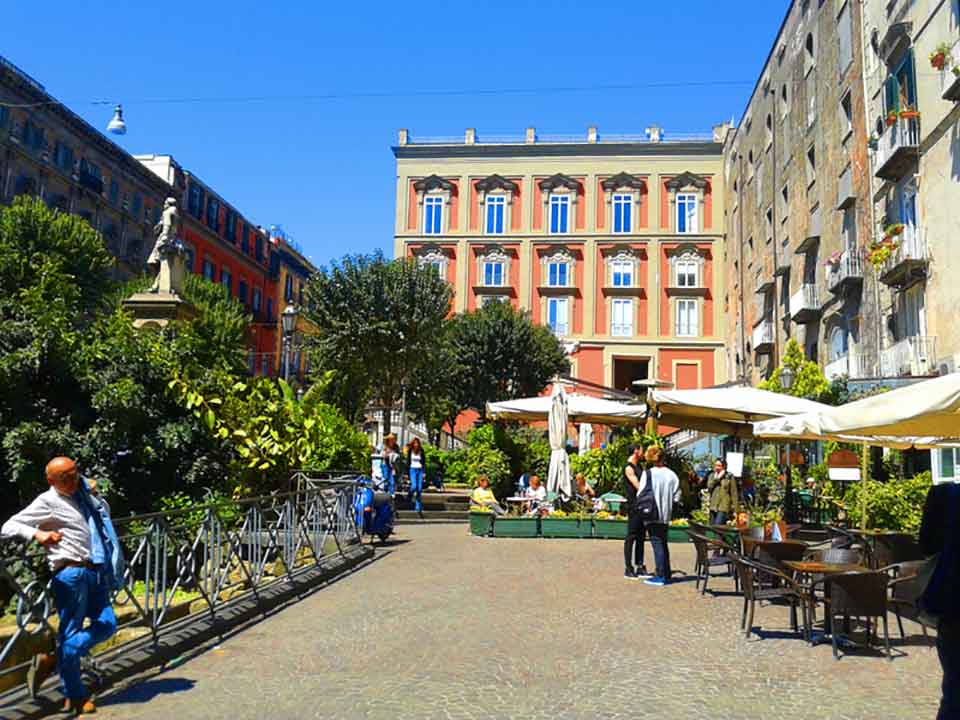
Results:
323 168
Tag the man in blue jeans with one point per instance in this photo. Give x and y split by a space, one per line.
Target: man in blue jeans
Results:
65 521
666 491
939 533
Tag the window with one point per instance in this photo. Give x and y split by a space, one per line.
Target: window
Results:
256 300
433 215
4 116
493 273
490 299
769 129
846 114
845 36
686 213
33 136
687 271
848 228
63 157
209 270
784 100
245 238
559 214
784 203
811 165
622 213
687 324
439 267
188 261
811 99
901 86
114 192
557 315
213 214
557 274
226 279
242 291
621 322
137 206
259 248
621 273
195 201
838 344
496 212
949 462
231 226
156 215
810 53
270 309
288 288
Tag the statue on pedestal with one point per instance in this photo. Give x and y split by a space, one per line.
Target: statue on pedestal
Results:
166 258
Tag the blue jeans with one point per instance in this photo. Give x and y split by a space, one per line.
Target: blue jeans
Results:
718 517
661 550
80 593
416 487
389 481
948 648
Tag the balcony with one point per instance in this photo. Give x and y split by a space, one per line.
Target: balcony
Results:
908 263
805 304
763 337
949 82
850 366
845 194
847 273
898 149
814 228
911 356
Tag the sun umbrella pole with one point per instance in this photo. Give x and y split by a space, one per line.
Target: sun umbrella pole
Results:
864 463
651 427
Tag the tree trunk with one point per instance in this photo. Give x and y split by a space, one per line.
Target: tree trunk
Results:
387 419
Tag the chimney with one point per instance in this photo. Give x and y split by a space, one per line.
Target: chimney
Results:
653 133
404 136
471 136
531 135
592 134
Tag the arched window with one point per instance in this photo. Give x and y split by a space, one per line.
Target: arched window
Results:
838 343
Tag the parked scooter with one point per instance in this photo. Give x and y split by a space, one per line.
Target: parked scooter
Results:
374 509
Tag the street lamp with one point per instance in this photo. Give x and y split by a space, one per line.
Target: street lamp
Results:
288 322
787 376
117 126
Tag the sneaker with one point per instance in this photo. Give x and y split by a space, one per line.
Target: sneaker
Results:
656 581
643 573
629 574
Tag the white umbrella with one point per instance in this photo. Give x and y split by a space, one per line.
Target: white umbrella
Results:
558 476
586 438
580 408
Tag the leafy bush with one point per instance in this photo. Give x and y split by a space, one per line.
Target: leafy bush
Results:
895 505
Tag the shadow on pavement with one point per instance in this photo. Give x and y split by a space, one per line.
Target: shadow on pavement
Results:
147 690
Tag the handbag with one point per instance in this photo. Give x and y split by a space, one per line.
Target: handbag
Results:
936 580
646 505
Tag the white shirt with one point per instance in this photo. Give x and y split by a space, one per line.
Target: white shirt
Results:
416 460
53 511
666 490
539 494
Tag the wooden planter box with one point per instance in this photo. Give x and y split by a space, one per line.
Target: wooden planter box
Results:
566 527
481 523
610 529
677 534
525 527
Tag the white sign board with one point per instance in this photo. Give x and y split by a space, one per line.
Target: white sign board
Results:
844 474
735 464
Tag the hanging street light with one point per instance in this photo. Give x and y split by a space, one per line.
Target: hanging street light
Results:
117 126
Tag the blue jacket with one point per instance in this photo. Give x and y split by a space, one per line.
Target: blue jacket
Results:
105 548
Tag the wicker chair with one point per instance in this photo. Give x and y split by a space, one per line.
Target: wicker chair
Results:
902 601
705 560
775 553
895 548
860 594
753 582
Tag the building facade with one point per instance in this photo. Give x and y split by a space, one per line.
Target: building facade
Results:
290 270
913 114
798 199
226 248
51 153
615 243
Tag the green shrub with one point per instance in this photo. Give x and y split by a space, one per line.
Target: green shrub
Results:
895 505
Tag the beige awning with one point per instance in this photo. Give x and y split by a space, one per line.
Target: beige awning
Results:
580 409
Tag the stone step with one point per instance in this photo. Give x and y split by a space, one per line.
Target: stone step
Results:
433 515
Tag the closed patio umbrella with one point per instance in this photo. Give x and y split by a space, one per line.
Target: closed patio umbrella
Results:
558 476
585 438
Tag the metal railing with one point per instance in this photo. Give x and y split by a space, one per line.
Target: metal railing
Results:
911 246
763 334
199 560
915 355
805 300
904 133
849 267
553 138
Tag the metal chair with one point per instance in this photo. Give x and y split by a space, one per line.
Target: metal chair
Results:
903 592
705 560
752 575
859 594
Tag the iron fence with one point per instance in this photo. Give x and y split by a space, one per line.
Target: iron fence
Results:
198 560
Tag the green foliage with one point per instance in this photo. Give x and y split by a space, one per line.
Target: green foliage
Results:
893 505
809 381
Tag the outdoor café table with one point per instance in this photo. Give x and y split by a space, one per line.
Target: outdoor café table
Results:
878 539
815 567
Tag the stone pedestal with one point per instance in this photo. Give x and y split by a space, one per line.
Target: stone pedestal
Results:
156 310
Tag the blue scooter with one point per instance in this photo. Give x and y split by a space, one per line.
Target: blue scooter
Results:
373 508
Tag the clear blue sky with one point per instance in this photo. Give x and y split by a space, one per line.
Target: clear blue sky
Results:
323 169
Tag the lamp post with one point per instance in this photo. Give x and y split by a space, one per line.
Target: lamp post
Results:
288 321
787 376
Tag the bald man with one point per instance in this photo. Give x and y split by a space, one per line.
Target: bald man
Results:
63 521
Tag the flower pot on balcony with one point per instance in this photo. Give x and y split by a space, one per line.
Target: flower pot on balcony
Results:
909 114
891 118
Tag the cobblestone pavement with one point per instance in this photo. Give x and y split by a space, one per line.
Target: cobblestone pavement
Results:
451 626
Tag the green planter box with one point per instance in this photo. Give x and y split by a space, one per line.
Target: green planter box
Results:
677 534
566 528
611 529
516 527
481 523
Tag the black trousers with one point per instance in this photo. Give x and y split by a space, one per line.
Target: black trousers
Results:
948 647
633 542
661 550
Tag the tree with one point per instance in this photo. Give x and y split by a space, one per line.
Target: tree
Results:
377 322
501 354
809 381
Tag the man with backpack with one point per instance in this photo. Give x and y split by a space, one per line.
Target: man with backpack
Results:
633 542
663 487
940 536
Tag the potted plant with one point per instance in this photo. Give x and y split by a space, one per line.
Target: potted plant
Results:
607 525
892 230
891 118
940 56
880 252
677 532
560 524
909 113
834 260
481 521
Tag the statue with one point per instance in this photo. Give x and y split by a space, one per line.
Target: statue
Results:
166 258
